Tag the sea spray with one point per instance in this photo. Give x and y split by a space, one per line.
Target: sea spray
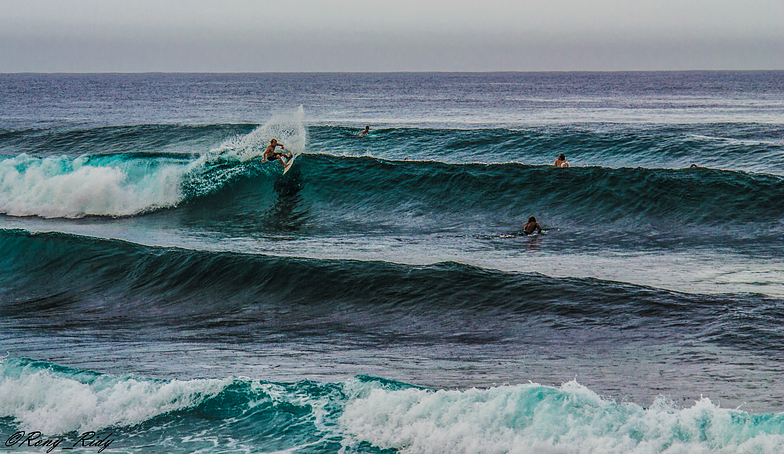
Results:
240 155
287 128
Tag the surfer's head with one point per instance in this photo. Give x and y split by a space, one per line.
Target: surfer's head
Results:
532 219
562 157
273 141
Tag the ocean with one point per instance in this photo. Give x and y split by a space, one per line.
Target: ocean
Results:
163 290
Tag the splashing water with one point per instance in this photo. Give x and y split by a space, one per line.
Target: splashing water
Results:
288 129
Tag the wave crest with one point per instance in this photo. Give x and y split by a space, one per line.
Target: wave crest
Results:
62 186
540 419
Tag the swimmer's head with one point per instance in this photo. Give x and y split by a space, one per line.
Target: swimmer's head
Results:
273 141
562 157
532 219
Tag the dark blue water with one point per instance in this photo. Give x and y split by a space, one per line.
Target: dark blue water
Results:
164 288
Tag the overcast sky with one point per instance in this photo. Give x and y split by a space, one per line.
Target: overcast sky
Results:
389 35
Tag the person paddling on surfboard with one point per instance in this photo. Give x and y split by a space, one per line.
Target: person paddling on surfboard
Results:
531 226
365 132
270 154
561 161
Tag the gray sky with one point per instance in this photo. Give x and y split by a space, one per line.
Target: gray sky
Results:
389 35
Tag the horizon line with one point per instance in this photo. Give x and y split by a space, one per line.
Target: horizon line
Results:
396 72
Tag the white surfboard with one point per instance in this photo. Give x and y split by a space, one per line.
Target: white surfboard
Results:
289 164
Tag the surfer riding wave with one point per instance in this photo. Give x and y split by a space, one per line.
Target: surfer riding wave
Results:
270 154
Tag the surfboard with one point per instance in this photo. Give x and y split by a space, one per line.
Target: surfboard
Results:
521 234
288 165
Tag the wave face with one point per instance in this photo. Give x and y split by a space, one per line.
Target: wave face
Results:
362 415
385 191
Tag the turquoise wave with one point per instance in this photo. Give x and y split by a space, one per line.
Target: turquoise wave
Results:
337 186
619 172
361 415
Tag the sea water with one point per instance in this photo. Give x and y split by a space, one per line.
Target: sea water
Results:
163 290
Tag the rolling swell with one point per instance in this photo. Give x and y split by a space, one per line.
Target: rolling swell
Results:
85 281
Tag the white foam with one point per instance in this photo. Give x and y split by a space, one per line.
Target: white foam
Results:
55 404
62 186
539 419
